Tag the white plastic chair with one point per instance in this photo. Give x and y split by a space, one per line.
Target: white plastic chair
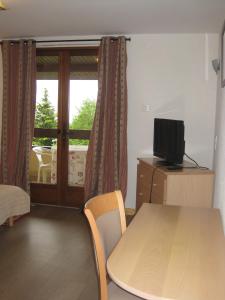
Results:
44 157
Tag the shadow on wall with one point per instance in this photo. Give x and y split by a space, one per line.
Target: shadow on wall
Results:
172 109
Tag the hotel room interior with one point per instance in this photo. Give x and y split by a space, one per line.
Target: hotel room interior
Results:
112 152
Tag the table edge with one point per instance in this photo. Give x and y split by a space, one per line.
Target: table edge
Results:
131 290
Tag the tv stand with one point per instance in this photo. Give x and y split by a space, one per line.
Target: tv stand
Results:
185 186
163 163
174 167
168 165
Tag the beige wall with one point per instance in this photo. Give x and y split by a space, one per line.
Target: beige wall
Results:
171 73
220 155
219 159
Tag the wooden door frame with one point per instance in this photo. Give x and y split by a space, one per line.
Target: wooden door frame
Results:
62 152
60 193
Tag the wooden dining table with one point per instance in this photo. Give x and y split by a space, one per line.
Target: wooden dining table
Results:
171 253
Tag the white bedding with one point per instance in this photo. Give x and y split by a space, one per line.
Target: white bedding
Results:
13 202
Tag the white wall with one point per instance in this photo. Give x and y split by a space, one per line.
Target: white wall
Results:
173 74
219 159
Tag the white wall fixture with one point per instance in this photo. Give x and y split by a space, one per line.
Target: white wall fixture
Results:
216 65
223 56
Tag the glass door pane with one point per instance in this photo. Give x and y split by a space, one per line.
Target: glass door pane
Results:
43 163
82 103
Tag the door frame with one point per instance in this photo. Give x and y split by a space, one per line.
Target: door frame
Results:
61 194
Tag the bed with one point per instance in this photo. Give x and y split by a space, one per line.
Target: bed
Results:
13 202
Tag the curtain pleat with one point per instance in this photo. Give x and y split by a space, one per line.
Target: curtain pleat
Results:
1 96
106 166
19 81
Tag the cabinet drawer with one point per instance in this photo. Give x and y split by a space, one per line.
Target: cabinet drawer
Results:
144 179
186 187
143 194
158 193
144 174
190 190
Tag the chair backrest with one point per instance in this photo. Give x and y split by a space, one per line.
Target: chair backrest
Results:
47 156
106 216
44 155
37 151
34 165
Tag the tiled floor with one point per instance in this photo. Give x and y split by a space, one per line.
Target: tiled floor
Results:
47 255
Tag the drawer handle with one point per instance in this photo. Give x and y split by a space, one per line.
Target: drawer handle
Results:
140 194
154 184
141 175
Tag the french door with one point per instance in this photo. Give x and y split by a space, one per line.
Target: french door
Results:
65 106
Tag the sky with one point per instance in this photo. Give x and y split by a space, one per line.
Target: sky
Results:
79 91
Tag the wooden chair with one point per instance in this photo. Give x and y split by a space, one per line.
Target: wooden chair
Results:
106 217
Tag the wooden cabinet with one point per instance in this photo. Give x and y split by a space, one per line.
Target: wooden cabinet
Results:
186 187
144 175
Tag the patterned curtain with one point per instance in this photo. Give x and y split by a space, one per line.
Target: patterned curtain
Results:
1 97
19 68
106 166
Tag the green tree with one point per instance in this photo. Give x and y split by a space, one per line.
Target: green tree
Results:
84 119
45 117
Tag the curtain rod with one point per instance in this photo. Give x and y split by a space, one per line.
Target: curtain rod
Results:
79 40
66 41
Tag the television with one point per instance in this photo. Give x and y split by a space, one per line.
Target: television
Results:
169 141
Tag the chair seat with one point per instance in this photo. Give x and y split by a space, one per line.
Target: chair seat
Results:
117 293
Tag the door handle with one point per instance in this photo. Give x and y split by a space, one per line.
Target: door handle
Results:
65 134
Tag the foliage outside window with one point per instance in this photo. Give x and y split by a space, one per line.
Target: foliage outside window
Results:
84 120
46 117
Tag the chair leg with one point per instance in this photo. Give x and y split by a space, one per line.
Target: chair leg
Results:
44 176
39 175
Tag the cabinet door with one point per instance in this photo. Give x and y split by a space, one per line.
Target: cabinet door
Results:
158 192
144 178
194 190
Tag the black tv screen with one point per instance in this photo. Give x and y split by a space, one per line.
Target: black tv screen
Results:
169 140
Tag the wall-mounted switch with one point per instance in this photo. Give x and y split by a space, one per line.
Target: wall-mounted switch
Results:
146 107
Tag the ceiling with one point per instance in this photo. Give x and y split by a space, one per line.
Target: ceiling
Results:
33 18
